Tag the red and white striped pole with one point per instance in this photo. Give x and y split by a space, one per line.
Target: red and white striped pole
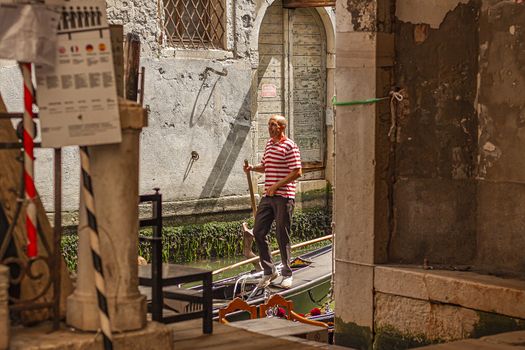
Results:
29 135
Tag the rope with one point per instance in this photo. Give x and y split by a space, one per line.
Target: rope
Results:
28 136
100 283
394 96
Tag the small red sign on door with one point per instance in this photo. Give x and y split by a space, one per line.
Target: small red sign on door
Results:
268 90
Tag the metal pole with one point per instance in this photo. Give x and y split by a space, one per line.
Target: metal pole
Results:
100 283
29 135
57 230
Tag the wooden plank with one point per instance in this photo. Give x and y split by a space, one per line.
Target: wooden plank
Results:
304 18
271 49
307 50
305 72
308 39
301 29
271 39
308 61
270 107
131 69
276 327
287 73
117 48
276 8
308 3
275 17
304 84
268 60
270 71
271 29
309 92
9 186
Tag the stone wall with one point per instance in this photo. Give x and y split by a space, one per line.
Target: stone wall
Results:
501 129
434 191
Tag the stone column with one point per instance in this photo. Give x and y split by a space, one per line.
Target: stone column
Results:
364 60
114 170
4 309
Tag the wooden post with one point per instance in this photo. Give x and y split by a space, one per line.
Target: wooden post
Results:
117 47
132 67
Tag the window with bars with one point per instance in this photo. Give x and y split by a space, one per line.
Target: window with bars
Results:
194 24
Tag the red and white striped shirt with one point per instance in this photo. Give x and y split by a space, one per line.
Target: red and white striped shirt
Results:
279 160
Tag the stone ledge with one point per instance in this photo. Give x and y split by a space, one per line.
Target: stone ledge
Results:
207 205
155 336
509 340
466 289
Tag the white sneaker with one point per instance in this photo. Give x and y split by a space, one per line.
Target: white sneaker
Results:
284 282
266 279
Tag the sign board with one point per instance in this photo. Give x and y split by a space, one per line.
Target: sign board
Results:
77 96
268 90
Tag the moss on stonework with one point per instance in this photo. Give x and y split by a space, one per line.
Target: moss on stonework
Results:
388 338
490 323
314 194
352 335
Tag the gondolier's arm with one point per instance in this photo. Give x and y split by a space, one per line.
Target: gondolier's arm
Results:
259 168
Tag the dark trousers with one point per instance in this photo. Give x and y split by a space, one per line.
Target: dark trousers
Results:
279 209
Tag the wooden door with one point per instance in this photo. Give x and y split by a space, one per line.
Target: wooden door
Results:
292 80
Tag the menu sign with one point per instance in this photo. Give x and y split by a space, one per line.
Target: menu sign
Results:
77 96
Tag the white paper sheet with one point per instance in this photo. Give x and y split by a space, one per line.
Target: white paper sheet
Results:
28 32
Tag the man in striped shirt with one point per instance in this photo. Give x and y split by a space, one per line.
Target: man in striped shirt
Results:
281 165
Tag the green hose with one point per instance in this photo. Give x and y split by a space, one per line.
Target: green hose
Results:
358 102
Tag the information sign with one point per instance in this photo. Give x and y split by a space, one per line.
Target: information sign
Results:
77 96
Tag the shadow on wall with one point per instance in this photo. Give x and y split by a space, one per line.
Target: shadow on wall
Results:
205 83
228 155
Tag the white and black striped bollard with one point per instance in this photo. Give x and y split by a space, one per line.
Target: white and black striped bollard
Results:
100 283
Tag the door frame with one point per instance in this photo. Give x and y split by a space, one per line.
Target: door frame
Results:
327 16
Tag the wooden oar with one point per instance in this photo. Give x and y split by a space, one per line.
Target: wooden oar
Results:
296 246
246 232
250 186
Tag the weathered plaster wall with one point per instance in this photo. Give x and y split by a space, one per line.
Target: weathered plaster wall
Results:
459 171
434 190
195 109
501 168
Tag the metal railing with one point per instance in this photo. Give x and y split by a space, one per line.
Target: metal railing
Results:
193 24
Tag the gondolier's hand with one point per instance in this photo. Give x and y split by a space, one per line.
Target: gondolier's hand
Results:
247 168
271 190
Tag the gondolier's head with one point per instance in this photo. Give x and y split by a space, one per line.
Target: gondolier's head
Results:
276 126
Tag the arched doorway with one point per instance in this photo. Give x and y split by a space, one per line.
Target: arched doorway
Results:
292 81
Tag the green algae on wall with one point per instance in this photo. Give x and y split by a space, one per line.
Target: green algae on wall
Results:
490 324
352 335
388 338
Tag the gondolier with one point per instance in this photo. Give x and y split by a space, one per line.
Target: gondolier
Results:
281 165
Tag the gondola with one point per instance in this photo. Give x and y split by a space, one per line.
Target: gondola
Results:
312 274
